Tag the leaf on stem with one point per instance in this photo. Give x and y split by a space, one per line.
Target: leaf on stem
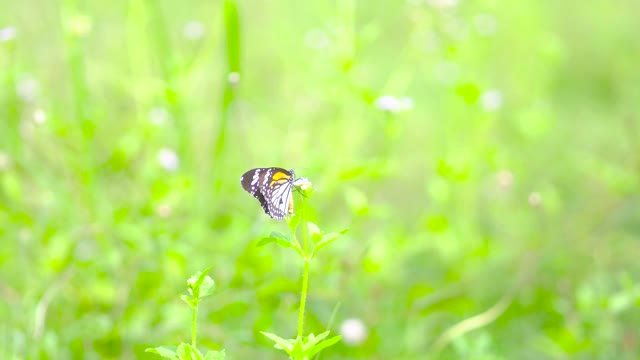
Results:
186 351
200 284
167 352
327 239
322 345
215 355
278 238
281 343
314 231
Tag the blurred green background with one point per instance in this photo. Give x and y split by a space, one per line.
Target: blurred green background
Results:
485 156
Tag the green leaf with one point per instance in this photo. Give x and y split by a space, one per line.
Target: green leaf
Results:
188 300
203 276
281 343
196 281
437 223
323 345
312 339
207 287
278 238
469 92
215 355
357 200
279 235
314 231
266 240
188 352
298 351
164 351
327 239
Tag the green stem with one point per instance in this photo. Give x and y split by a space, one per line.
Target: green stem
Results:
193 326
305 229
303 296
305 274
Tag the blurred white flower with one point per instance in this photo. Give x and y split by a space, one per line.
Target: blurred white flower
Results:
446 72
393 104
8 33
491 100
505 179
168 159
457 29
5 161
233 78
354 332
193 30
27 128
317 39
39 117
303 184
27 88
158 116
163 210
535 199
86 250
485 24
79 25
24 235
442 4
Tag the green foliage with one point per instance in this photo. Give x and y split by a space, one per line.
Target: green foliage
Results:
199 285
484 157
186 352
301 348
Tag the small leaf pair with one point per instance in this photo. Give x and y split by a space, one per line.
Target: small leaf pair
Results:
301 347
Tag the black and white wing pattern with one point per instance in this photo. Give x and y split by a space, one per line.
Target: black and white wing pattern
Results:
272 187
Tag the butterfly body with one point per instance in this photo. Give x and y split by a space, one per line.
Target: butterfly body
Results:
272 187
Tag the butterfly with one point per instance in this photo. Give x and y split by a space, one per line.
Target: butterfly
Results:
272 187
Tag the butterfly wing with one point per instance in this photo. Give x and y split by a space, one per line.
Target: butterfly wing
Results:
279 198
272 188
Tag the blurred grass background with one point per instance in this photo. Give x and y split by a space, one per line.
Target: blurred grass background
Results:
484 154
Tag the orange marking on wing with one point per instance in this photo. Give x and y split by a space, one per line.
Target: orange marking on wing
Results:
291 205
279 177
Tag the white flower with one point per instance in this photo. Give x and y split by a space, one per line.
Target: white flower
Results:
393 104
85 250
317 39
168 159
442 4
7 34
79 25
535 199
354 332
505 179
193 30
491 100
27 88
39 117
446 72
303 184
5 160
163 210
485 24
233 78
158 116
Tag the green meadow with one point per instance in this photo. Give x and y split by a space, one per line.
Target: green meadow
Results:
483 155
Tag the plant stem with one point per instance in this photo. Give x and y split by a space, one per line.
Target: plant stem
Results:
305 274
193 326
303 296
